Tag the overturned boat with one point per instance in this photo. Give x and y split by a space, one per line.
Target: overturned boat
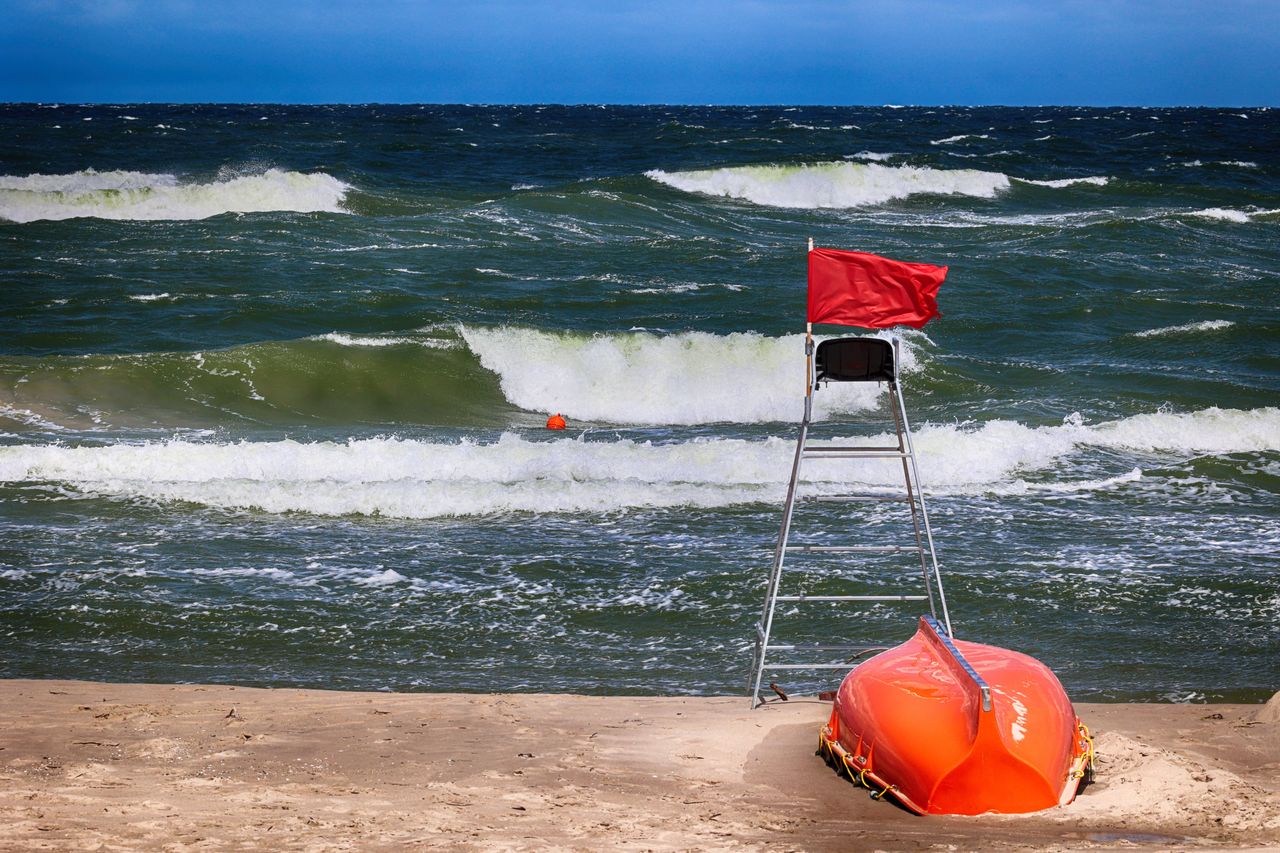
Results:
943 726
951 727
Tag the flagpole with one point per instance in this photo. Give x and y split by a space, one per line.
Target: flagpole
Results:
808 363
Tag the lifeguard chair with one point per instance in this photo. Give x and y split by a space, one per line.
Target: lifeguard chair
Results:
852 359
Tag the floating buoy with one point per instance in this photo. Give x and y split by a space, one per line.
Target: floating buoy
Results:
556 421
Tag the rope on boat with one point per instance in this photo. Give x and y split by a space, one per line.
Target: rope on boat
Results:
830 753
858 775
1090 754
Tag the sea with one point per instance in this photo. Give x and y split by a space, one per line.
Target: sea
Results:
274 383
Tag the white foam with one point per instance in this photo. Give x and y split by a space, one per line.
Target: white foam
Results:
27 417
1059 183
1209 431
645 378
1239 164
960 138
877 156
387 578
832 185
419 479
143 196
1228 214
150 297
362 340
86 181
421 339
1225 214
1203 326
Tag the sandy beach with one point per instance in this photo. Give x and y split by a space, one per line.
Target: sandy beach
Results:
92 766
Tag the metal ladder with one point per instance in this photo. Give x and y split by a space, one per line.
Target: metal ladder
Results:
922 545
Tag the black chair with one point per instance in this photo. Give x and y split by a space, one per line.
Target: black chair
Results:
854 360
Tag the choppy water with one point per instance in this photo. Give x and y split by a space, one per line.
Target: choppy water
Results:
272 382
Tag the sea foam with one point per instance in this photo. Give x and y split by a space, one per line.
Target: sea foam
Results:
645 378
422 479
1227 214
832 185
1059 183
1203 326
143 196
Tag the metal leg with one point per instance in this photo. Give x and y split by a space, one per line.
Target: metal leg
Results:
765 625
924 514
894 405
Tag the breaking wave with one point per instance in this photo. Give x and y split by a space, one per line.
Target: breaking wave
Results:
421 479
832 185
1227 214
439 375
644 378
141 196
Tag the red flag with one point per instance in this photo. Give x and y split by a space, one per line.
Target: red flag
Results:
860 289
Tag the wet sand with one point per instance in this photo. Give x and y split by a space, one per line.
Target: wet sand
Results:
158 767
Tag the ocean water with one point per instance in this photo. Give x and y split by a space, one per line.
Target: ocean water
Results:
273 381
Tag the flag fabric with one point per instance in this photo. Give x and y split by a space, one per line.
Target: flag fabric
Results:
865 290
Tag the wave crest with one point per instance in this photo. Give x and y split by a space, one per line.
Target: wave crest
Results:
644 378
422 479
439 375
125 195
1059 183
1202 326
1228 214
832 185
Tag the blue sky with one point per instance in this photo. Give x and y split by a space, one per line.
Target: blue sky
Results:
1090 52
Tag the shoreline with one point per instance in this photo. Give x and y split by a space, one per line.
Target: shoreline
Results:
195 767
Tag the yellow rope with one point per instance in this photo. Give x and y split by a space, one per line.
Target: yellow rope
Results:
858 775
827 749
1090 754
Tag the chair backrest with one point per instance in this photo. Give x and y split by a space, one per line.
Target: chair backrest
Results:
855 360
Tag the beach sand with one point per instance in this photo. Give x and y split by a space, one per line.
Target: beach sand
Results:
90 766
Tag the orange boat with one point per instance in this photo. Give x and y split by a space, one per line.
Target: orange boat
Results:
951 727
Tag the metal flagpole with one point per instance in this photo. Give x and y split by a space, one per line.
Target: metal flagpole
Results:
808 360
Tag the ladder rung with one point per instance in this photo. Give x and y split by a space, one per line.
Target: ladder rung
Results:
851 598
803 647
854 498
824 454
854 448
864 549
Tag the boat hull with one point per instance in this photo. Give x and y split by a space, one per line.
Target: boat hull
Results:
952 727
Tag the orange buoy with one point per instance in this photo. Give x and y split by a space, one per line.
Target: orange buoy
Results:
556 421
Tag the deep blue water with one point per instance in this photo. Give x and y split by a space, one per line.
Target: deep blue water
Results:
273 380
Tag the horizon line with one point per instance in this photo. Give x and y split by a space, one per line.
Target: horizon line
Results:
600 104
